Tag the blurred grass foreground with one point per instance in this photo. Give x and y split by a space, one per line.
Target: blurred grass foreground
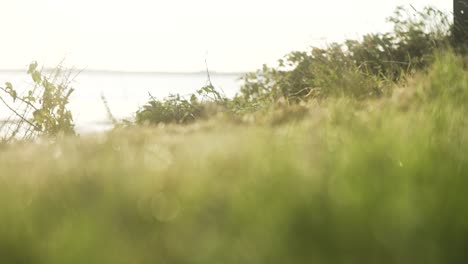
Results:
346 157
377 181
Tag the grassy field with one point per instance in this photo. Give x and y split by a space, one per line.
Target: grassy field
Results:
346 181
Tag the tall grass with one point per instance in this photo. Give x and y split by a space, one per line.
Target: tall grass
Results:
376 181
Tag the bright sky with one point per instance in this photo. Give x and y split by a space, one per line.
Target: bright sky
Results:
177 35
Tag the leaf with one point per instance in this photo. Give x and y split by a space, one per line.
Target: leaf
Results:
38 116
32 67
8 85
36 76
14 95
9 89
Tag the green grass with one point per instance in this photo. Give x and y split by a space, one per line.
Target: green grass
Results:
381 181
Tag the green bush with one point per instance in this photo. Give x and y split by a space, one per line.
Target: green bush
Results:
205 102
365 68
173 109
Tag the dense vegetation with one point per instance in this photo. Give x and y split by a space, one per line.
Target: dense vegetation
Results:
362 69
335 158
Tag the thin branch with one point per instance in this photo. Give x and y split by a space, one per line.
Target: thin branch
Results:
17 114
21 99
208 73
109 112
152 97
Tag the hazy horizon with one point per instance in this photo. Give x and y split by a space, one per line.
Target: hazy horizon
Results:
177 36
203 71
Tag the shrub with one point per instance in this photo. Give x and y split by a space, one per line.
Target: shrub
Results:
42 109
359 69
173 109
179 110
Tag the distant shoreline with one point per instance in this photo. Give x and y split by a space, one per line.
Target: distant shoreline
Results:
93 71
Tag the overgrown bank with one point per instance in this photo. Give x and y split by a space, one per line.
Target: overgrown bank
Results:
337 176
353 182
365 69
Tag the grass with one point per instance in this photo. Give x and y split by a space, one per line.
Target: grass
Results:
376 181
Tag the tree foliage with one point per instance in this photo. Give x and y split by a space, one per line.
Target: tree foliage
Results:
356 68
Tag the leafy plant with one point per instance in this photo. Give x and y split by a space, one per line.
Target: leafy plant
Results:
42 109
177 109
173 109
